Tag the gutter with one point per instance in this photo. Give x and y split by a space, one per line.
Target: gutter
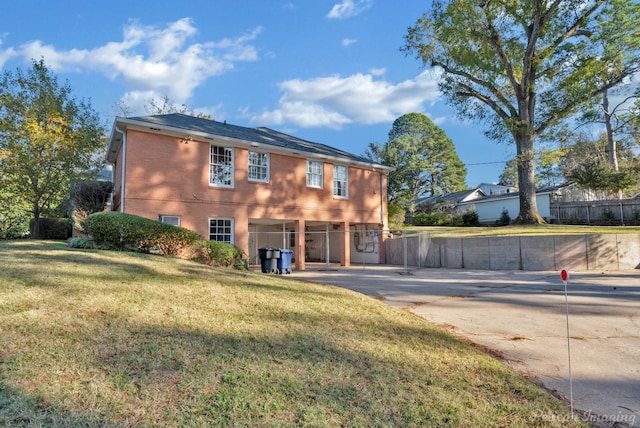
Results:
123 166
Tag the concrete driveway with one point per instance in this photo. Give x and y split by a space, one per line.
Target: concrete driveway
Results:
521 315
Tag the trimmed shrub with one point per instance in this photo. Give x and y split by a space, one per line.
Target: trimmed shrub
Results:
635 218
214 253
505 219
470 218
81 242
574 220
53 228
121 231
396 215
431 219
607 218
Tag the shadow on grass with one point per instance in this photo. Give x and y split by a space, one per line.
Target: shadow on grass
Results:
311 363
312 370
19 408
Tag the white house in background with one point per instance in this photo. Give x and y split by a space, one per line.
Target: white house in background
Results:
489 208
495 189
454 198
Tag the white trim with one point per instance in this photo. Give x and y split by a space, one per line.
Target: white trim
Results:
345 181
313 174
232 156
162 219
231 227
249 165
123 165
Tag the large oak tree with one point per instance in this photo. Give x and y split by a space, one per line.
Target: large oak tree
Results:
525 66
48 139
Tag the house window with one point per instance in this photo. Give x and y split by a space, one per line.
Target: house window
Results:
259 167
340 181
170 219
221 166
314 174
221 229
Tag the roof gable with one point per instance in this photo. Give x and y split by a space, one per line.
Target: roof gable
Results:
455 197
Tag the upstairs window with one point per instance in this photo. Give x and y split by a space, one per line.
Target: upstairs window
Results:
340 181
314 174
221 166
259 167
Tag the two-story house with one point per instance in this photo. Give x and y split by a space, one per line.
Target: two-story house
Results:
253 187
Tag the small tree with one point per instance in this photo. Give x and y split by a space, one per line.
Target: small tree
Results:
48 139
586 164
505 219
88 197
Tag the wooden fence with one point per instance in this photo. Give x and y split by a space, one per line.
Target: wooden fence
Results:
620 212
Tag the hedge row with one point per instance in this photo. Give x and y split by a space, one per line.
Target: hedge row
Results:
469 218
121 231
52 228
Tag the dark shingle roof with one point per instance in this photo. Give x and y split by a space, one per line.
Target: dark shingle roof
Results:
264 136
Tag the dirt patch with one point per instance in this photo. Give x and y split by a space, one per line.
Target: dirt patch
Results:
517 338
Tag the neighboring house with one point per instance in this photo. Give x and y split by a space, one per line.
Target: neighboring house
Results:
496 189
253 187
490 208
451 198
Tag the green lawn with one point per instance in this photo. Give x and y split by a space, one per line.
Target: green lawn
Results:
98 338
540 229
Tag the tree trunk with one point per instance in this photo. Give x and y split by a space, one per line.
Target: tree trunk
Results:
35 227
526 182
611 136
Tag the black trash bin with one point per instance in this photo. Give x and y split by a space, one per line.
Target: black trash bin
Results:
269 259
284 261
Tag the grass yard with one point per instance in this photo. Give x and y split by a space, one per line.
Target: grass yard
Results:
98 338
521 230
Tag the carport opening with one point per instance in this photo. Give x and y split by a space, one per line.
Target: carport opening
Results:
322 242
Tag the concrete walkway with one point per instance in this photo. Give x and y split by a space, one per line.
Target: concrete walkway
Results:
522 316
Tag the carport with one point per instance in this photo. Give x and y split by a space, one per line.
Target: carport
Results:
326 243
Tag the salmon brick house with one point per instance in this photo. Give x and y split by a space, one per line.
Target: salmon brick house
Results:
253 187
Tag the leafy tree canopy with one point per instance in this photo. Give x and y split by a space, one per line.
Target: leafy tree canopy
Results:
526 66
48 139
424 157
586 164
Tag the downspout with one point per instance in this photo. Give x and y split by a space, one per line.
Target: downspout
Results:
123 167
381 204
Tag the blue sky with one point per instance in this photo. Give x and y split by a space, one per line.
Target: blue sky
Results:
328 71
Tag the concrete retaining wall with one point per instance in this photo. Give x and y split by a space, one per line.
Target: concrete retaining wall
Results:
551 252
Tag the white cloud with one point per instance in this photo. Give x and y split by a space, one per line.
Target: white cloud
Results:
5 54
152 59
336 101
349 8
348 42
